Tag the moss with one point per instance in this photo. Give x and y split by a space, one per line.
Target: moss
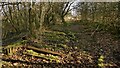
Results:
48 57
101 61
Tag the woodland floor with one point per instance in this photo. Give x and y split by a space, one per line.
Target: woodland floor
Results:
76 45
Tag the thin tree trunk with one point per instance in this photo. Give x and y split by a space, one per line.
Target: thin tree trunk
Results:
63 20
42 19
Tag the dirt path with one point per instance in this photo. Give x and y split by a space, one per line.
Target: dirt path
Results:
101 43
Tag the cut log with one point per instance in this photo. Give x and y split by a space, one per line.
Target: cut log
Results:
44 51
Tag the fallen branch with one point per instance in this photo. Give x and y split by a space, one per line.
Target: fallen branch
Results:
36 56
95 30
44 51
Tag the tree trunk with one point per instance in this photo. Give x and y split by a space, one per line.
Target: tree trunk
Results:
63 20
119 10
44 9
84 11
